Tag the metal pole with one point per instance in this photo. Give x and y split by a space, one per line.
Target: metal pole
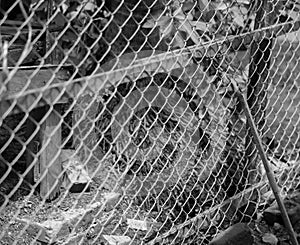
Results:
257 142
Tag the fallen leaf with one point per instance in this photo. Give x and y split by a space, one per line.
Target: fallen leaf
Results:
166 27
149 23
243 1
165 24
111 200
222 6
117 240
137 224
203 5
200 25
294 15
239 20
90 6
155 18
178 40
187 6
269 238
191 32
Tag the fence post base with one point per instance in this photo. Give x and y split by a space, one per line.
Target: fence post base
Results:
49 160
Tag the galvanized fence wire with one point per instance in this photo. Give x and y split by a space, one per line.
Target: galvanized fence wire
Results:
119 122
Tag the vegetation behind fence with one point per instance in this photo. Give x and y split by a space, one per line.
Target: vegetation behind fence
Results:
122 121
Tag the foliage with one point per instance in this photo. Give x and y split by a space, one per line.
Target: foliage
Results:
67 20
181 24
200 21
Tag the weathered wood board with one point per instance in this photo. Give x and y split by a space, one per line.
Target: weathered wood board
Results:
50 158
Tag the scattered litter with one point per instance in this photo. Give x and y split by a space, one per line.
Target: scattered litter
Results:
117 240
137 224
76 176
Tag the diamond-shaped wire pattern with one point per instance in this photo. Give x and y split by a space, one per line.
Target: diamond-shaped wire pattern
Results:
120 124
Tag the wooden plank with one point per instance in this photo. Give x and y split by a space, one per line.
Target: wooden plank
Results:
24 94
27 80
50 158
31 147
32 122
39 93
28 89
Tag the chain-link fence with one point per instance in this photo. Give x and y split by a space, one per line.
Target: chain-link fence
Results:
120 123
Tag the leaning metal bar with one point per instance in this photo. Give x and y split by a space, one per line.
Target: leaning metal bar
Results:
263 156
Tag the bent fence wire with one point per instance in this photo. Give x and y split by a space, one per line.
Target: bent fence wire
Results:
120 125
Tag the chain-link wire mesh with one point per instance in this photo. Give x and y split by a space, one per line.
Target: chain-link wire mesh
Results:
120 125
